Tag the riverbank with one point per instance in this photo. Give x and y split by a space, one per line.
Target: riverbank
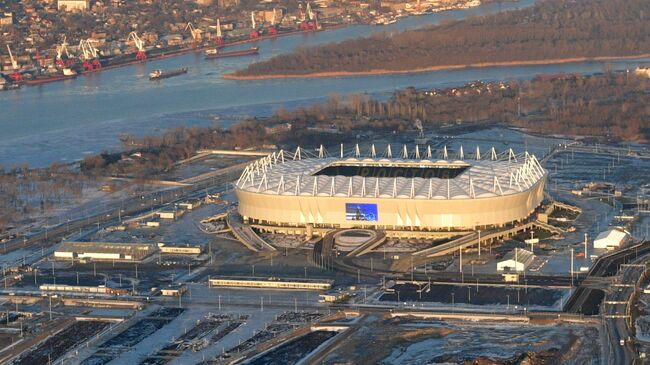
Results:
557 61
163 54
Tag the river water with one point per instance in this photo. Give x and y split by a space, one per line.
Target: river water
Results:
65 120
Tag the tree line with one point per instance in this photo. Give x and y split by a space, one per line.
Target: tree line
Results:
549 30
612 105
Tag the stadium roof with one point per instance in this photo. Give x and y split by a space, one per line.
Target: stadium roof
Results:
475 176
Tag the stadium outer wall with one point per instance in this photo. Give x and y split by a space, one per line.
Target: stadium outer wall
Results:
393 213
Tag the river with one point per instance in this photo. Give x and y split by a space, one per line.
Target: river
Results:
63 121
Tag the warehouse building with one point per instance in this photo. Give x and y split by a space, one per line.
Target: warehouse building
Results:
610 239
517 260
104 251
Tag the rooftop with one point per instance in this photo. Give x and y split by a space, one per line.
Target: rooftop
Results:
413 174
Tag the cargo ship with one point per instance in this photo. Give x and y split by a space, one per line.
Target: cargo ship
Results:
45 79
212 54
160 74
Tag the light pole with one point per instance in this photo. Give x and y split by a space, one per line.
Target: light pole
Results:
453 302
571 268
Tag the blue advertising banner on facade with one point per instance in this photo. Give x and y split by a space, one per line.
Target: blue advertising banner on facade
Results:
361 212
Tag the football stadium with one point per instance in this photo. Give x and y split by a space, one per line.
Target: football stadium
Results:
415 189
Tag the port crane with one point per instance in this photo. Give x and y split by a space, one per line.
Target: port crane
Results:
254 33
196 33
16 74
272 29
139 44
311 21
89 54
219 39
60 50
302 13
38 57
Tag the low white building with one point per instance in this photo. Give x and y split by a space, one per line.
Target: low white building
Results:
173 290
610 239
167 214
517 260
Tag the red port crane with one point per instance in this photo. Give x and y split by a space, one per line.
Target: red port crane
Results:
89 55
219 41
139 44
60 50
196 33
311 22
254 32
272 29
16 74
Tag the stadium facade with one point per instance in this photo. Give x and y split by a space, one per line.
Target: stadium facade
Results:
411 190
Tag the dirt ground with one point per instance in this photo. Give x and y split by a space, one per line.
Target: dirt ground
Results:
413 341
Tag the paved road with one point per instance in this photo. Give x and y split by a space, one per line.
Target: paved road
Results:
617 313
586 299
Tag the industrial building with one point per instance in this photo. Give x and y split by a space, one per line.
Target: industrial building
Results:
411 190
517 260
104 251
610 239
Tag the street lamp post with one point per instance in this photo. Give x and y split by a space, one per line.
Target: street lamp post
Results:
453 302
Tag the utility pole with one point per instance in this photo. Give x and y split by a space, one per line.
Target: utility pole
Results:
479 243
516 259
460 249
571 268
453 302
586 247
